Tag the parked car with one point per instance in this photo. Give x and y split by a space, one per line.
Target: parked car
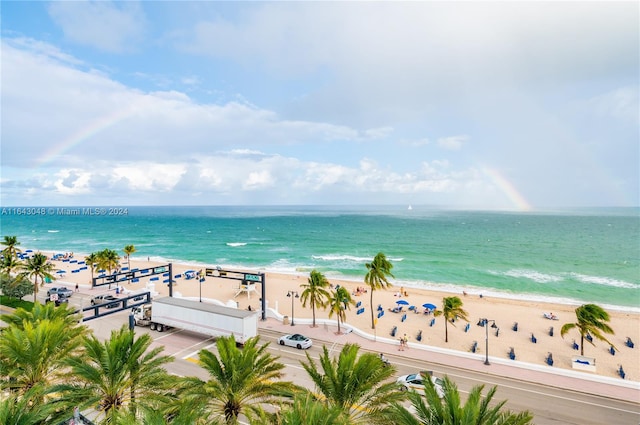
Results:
415 381
295 340
61 291
101 299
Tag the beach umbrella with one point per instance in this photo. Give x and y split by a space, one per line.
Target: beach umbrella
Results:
61 271
402 302
429 306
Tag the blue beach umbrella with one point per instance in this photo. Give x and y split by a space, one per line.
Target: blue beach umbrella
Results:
429 306
61 271
402 302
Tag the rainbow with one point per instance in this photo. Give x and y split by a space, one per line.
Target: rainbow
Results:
81 135
508 189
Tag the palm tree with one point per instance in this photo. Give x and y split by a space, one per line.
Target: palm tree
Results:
306 409
27 408
37 267
128 250
431 410
339 303
376 277
315 292
591 320
92 261
11 243
451 310
35 344
357 385
108 259
119 373
241 380
9 263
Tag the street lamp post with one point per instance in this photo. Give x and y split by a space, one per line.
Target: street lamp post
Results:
200 279
486 331
292 295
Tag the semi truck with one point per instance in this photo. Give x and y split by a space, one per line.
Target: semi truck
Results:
208 319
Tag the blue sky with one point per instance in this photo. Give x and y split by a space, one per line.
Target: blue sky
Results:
480 105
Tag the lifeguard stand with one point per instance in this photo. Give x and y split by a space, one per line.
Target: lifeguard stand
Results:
246 286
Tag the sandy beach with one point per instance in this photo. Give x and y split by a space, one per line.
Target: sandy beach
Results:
505 312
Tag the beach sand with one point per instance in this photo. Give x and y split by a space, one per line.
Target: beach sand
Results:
505 312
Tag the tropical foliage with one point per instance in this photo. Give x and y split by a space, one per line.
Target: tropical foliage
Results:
241 380
590 320
15 287
10 244
430 409
315 293
339 303
38 268
357 385
128 250
377 278
451 311
108 259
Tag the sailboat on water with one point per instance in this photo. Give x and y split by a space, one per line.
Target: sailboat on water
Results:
410 207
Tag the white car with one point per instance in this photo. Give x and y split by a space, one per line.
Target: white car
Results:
415 381
301 342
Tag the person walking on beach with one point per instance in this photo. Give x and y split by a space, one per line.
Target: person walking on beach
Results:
405 340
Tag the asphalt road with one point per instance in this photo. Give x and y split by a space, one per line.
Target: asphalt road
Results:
550 405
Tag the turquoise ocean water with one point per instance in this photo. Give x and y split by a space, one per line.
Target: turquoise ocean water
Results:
569 256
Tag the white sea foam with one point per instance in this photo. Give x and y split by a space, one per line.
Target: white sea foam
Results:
599 280
234 244
53 231
341 257
533 275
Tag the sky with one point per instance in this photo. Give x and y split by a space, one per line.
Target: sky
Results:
475 105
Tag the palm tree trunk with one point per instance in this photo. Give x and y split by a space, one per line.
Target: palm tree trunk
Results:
313 311
446 330
581 344
373 323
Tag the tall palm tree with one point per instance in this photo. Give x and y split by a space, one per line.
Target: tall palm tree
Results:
27 408
108 259
118 374
9 263
241 380
92 261
37 267
339 303
477 410
128 250
315 293
591 319
35 345
357 385
11 246
376 278
451 310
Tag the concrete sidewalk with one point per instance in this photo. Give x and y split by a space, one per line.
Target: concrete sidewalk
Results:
326 334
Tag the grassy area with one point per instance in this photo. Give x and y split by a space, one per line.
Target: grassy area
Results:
15 303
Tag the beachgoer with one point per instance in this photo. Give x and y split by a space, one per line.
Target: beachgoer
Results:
249 308
405 338
401 344
77 288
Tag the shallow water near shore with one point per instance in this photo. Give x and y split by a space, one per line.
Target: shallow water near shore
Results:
565 256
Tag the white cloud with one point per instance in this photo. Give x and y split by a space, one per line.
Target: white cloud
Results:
453 143
112 27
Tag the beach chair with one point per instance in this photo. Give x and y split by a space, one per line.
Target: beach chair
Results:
549 359
621 372
612 350
433 322
419 336
466 328
589 338
358 304
497 331
534 339
515 327
512 354
551 331
394 330
404 317
575 345
474 346
380 307
412 308
629 343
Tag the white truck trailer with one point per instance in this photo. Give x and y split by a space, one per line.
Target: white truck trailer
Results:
208 319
